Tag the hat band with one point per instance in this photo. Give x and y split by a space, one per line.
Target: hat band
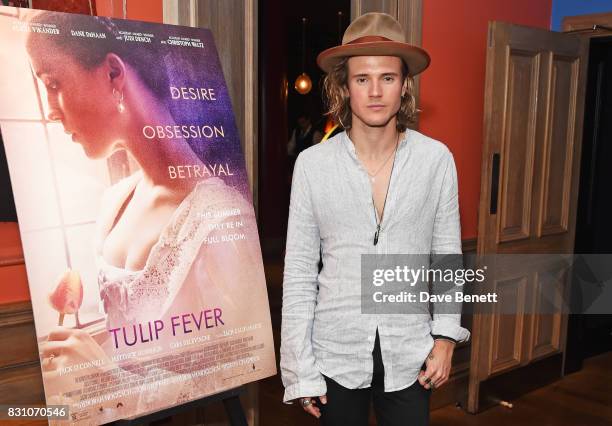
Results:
368 39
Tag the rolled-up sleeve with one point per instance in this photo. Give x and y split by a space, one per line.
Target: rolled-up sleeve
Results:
446 240
299 373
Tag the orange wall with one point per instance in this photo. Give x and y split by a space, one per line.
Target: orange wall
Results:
139 10
452 89
13 280
71 6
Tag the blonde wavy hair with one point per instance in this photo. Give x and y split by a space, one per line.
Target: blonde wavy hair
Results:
335 86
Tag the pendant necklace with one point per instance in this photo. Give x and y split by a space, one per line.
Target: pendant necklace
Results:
379 222
373 175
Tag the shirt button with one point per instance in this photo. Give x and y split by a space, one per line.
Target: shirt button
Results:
370 338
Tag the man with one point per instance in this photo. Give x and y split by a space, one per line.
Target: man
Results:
377 188
303 136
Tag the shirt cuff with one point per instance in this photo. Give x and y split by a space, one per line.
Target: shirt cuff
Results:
449 328
304 389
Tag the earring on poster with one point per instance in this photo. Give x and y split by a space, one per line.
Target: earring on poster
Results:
119 98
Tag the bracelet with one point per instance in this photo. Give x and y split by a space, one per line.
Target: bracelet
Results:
439 336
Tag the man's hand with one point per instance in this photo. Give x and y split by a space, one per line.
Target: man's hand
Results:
309 405
438 364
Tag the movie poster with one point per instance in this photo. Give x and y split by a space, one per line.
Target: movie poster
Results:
136 217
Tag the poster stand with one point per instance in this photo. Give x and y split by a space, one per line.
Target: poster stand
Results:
231 402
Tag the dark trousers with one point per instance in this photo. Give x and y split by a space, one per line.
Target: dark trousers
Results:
351 407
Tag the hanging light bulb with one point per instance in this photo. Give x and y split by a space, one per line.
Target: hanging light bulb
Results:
303 84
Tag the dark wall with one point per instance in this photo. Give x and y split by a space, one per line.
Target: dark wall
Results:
322 32
7 205
280 63
593 226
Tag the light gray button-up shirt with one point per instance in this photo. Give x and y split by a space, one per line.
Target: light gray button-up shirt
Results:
332 216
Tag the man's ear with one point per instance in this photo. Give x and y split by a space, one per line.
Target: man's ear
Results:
115 69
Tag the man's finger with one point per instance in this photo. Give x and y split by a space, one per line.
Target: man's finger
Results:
436 376
428 377
323 399
422 377
312 410
424 382
430 373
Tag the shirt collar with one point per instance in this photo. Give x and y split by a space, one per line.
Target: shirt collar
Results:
350 147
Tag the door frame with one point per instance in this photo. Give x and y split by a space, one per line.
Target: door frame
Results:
586 22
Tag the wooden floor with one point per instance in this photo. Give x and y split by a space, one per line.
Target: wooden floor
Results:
580 399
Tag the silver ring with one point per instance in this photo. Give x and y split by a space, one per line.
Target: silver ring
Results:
306 402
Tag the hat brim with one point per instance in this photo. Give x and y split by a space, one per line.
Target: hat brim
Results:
416 58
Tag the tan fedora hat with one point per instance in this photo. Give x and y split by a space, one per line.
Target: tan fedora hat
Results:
375 34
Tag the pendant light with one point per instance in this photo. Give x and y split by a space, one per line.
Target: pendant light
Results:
303 84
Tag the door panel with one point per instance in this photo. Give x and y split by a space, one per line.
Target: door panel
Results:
559 147
507 336
520 133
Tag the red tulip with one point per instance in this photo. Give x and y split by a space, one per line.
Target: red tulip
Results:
68 295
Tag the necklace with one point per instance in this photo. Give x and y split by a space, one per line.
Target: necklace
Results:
373 175
382 214
379 222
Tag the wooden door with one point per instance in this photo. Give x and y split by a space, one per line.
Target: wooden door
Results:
534 96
